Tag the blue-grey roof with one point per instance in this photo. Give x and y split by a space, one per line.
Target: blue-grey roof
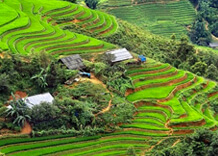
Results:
120 55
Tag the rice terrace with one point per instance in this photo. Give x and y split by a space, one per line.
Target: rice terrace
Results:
108 77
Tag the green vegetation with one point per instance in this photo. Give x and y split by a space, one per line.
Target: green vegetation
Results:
159 18
27 36
126 108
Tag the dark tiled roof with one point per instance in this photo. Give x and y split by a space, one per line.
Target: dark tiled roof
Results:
73 62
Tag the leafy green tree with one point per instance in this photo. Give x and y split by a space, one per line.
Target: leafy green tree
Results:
92 3
212 72
4 82
44 112
214 28
41 78
202 143
199 67
72 1
198 34
18 111
214 3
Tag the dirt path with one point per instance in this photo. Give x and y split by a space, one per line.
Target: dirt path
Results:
97 81
167 126
1 55
27 129
177 141
206 27
149 149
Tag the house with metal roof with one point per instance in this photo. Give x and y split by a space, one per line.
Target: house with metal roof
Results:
37 99
213 45
119 55
73 62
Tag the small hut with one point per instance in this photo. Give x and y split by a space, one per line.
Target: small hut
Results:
119 55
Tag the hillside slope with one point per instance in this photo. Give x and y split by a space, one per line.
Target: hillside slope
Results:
29 27
170 103
159 17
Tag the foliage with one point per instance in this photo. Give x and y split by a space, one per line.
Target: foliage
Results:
18 111
131 151
198 34
4 82
207 10
202 143
72 1
121 112
92 3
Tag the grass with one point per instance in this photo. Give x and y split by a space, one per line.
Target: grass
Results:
166 111
11 14
147 76
153 115
149 120
27 36
145 126
159 18
137 70
110 143
151 93
154 81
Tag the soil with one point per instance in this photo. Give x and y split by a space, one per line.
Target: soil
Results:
18 95
186 124
1 55
97 81
183 116
212 94
27 129
167 126
183 131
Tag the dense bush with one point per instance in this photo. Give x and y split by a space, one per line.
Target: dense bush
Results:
201 143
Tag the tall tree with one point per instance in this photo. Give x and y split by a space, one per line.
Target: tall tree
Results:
92 3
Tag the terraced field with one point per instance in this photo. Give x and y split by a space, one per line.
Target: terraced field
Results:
159 17
169 102
31 27
172 101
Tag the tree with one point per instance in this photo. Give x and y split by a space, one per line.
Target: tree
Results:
44 112
198 34
92 3
18 111
214 28
201 143
41 78
212 72
199 67
4 82
72 1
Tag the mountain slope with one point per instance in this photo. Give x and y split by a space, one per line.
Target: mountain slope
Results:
32 28
159 17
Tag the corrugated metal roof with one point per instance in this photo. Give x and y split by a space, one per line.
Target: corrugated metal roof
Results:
73 62
37 99
120 55
213 45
